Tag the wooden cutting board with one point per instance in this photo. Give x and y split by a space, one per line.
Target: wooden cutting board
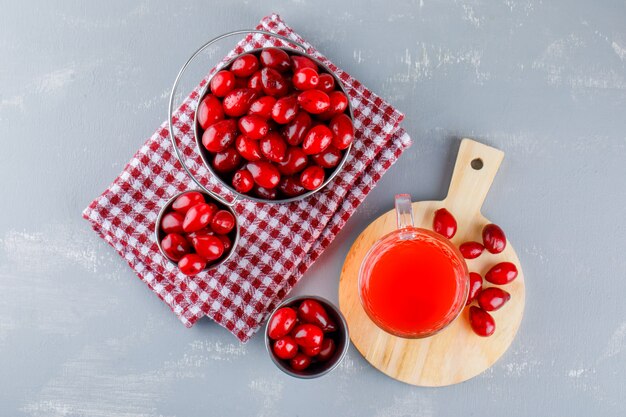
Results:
456 354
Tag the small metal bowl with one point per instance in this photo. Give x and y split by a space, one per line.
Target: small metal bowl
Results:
159 234
341 338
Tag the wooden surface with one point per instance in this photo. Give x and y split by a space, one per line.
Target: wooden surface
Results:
456 354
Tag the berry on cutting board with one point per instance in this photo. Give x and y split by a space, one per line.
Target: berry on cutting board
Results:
482 322
492 298
471 250
444 223
494 238
502 273
475 285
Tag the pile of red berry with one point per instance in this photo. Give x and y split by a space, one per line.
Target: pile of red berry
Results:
196 232
490 298
275 124
302 334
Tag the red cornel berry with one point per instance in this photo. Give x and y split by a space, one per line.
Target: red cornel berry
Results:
494 238
300 62
191 264
308 335
285 109
305 79
502 273
225 241
274 113
326 83
314 351
300 362
245 65
471 250
317 140
173 222
343 131
326 351
175 246
311 311
198 216
275 58
444 223
312 177
262 107
210 111
220 135
296 129
273 147
264 174
243 181
482 322
295 161
290 186
253 126
282 322
338 102
314 101
273 83
329 158
265 193
209 247
248 148
237 102
475 285
222 83
226 161
223 222
492 298
187 200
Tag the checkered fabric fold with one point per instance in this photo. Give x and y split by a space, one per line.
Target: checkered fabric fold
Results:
278 242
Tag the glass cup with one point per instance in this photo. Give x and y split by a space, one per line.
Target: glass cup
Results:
413 282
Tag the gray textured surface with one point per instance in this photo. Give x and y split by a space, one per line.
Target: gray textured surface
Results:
82 84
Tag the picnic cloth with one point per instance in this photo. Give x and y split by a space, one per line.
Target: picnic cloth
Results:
278 242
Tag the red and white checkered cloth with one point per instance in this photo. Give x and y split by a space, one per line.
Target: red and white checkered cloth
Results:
278 242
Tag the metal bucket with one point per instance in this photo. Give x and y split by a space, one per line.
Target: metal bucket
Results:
204 153
159 234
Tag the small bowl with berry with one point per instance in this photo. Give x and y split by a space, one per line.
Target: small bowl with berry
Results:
307 336
196 232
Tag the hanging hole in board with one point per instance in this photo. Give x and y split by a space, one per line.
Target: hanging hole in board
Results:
477 164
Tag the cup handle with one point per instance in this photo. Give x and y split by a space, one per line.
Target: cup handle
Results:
404 211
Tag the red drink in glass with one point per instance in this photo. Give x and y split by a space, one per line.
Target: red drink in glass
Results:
413 282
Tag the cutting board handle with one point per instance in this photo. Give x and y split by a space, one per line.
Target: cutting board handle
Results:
474 171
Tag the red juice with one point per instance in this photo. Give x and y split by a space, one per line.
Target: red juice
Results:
413 287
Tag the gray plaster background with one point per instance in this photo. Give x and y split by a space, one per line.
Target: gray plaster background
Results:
82 84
